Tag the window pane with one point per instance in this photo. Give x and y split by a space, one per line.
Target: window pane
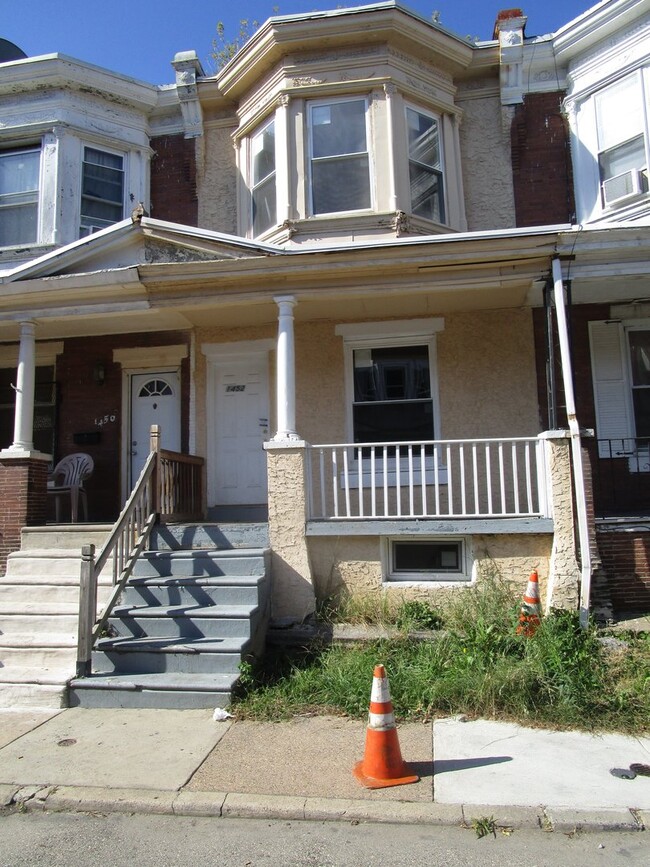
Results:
423 138
619 112
641 399
427 556
426 193
264 206
391 373
396 421
640 357
102 199
19 171
630 155
339 128
341 185
263 147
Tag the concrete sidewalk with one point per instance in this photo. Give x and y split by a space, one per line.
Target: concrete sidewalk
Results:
183 762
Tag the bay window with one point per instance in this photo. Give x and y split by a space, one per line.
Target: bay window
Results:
425 165
339 156
102 190
19 187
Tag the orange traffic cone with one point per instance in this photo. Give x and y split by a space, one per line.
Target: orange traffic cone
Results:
382 763
531 610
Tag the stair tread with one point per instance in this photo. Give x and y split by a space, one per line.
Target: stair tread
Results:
174 645
195 580
158 680
198 553
216 611
36 674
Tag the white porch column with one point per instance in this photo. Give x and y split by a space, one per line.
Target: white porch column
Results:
286 371
25 384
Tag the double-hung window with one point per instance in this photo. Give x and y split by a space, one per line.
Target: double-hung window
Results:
339 156
19 182
622 130
263 186
102 190
425 165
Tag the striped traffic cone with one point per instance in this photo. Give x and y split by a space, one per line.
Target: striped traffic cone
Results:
382 763
529 618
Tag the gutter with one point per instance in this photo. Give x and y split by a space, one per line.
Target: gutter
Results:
576 453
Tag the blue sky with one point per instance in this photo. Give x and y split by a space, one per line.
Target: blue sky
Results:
140 37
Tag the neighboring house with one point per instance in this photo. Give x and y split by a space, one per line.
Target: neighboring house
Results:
343 314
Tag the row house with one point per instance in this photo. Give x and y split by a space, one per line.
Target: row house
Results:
379 289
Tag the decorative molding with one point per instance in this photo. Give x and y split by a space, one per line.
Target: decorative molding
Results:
46 354
150 356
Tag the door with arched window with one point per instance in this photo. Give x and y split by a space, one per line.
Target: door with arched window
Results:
155 399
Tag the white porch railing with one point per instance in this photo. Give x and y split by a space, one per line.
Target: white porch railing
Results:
483 478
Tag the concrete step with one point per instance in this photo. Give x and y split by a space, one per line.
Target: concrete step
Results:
141 655
51 675
206 563
36 564
35 606
20 597
37 656
160 690
32 695
64 536
224 590
64 625
176 621
250 534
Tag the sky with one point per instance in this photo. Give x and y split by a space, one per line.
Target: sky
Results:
139 38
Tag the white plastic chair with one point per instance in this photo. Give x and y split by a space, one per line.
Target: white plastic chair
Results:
67 479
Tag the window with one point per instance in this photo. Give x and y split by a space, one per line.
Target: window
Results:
340 162
621 123
427 559
262 173
19 176
44 408
102 190
425 166
639 342
392 394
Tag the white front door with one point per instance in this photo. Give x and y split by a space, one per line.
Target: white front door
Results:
155 399
240 427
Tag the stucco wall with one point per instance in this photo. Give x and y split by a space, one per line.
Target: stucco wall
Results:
486 162
351 565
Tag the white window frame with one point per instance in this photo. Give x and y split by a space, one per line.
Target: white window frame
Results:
28 148
371 172
442 172
124 156
379 335
252 186
464 575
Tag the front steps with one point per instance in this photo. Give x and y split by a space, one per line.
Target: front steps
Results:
39 607
195 606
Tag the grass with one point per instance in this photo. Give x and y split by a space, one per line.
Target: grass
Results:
477 665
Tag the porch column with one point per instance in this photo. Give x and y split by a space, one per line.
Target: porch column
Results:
563 587
286 371
25 384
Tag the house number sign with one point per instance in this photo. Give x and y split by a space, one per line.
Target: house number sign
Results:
105 419
235 388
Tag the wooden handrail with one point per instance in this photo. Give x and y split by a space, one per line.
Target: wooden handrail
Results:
170 486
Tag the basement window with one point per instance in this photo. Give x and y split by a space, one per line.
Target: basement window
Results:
427 560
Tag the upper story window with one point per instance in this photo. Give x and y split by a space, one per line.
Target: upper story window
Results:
622 131
102 190
339 156
262 174
19 182
425 165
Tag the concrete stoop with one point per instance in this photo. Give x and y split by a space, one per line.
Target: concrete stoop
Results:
39 606
196 605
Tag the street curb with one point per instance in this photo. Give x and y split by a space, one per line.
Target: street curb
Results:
89 799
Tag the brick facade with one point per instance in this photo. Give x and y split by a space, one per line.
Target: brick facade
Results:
87 407
23 483
173 180
626 557
541 162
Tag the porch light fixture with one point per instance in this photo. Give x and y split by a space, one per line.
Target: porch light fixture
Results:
99 373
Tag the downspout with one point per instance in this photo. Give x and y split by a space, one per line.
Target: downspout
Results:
576 453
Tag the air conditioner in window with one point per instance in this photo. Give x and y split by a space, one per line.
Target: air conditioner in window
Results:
624 186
